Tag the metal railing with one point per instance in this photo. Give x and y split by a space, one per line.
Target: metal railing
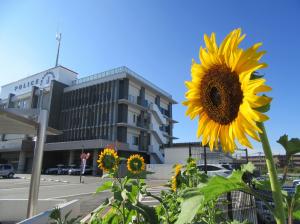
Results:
122 69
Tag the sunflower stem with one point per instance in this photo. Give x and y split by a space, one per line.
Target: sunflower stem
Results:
275 186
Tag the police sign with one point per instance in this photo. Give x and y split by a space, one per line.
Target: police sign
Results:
41 80
44 81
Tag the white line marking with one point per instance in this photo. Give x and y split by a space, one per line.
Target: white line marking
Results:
43 186
73 195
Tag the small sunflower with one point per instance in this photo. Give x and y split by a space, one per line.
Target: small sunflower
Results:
223 92
136 164
174 180
108 160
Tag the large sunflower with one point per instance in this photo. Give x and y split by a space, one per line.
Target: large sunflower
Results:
223 92
108 160
136 164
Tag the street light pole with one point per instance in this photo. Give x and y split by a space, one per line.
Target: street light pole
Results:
247 158
37 164
81 166
205 160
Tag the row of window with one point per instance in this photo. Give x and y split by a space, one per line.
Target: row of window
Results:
90 116
90 95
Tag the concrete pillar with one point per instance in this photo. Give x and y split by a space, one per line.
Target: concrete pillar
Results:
21 163
95 164
71 157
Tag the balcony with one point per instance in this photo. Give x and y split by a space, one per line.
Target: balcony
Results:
142 102
133 101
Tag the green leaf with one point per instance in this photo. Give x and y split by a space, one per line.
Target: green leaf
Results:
124 194
296 212
195 198
105 186
189 209
291 146
149 213
263 185
219 185
129 216
249 167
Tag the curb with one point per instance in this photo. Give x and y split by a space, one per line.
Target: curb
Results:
47 179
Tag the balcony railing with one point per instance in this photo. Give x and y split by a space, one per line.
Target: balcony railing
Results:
119 70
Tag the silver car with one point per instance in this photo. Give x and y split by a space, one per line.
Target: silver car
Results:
7 171
215 169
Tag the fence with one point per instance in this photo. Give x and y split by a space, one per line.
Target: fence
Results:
239 206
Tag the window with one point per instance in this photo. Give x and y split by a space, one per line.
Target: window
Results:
7 167
134 118
135 140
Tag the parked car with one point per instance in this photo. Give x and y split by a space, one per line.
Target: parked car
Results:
55 170
7 171
215 169
227 166
65 169
296 182
77 170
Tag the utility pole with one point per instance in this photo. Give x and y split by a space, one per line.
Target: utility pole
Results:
37 164
247 159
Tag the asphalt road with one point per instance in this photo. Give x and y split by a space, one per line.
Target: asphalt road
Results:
60 187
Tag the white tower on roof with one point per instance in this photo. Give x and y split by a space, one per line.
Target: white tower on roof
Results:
58 38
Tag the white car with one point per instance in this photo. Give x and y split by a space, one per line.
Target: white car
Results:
215 169
7 171
296 182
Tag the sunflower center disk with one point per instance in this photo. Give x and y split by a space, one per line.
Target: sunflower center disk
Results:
221 94
215 96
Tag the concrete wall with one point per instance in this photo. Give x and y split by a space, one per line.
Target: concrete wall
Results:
43 217
176 155
149 96
14 210
130 133
134 89
164 103
160 171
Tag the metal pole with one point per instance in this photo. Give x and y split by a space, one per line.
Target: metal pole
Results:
205 160
190 151
247 159
58 38
81 166
37 164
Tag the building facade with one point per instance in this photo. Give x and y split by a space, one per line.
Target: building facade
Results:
116 107
180 152
259 161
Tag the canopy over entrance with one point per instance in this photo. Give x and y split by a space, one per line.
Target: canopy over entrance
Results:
13 123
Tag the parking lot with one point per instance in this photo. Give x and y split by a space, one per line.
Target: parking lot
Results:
60 187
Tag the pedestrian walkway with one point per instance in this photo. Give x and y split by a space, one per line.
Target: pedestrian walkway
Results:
150 201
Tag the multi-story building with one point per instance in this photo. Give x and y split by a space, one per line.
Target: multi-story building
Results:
116 107
280 161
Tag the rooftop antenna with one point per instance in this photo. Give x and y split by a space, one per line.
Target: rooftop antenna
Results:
58 38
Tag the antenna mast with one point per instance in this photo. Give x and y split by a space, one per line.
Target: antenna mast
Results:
58 38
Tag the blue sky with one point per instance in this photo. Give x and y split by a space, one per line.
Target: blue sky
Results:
158 40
